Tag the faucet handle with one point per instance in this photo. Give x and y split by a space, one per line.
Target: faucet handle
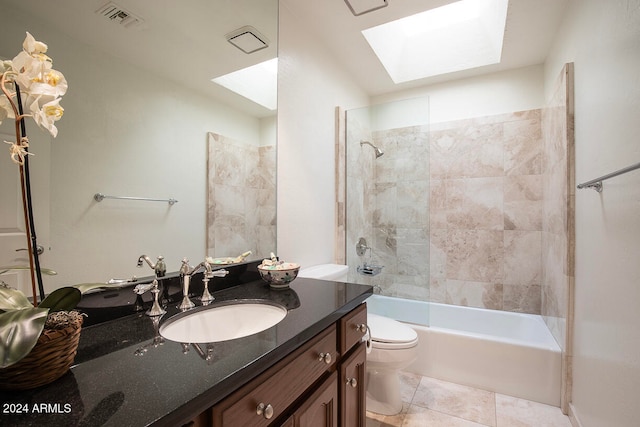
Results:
142 288
218 273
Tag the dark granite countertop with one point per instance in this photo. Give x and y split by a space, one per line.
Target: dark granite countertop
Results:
125 377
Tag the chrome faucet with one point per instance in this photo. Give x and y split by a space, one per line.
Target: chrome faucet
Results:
186 272
160 268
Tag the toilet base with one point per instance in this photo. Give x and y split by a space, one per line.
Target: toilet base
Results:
383 392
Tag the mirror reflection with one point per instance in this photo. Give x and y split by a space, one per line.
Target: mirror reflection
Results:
144 119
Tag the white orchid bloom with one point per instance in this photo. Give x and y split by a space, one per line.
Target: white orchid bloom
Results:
46 116
32 46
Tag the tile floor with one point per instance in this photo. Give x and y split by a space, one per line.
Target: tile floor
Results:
435 403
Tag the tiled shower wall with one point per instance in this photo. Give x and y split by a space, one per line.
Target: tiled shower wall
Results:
486 212
558 230
241 204
496 210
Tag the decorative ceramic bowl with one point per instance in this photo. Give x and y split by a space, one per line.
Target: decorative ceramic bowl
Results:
280 275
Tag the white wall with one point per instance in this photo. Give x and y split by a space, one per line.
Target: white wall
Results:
498 93
310 86
603 40
125 132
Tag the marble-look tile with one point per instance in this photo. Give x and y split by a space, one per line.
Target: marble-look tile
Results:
514 412
474 294
475 255
453 399
523 202
522 257
438 203
411 287
417 416
523 147
522 298
438 290
379 420
412 204
438 253
409 383
475 203
468 151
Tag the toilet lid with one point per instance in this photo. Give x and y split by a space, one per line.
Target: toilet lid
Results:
388 330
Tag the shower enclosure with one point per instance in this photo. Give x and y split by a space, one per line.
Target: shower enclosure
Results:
387 197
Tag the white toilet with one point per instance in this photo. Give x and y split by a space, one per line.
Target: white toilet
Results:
394 346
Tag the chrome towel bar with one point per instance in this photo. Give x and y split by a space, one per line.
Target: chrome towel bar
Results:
596 184
98 197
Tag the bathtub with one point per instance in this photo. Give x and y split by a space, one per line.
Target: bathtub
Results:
508 353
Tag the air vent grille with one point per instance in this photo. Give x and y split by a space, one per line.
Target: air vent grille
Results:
117 14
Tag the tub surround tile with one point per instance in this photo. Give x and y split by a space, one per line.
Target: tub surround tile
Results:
476 255
474 294
522 298
486 178
475 203
522 257
523 202
483 185
523 147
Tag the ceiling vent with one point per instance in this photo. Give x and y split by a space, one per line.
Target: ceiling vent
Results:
360 7
117 14
247 39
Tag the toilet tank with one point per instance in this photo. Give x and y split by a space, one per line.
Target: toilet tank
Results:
335 272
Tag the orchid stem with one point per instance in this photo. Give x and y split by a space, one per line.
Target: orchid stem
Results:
34 259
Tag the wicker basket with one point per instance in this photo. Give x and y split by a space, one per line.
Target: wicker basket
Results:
50 359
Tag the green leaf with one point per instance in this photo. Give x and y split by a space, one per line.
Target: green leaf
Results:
66 298
19 332
11 299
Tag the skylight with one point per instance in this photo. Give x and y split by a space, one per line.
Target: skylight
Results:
459 36
259 83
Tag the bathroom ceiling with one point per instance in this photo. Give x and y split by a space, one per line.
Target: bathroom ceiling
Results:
530 29
180 40
185 40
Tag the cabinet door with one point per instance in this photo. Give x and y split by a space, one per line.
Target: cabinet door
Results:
353 389
321 408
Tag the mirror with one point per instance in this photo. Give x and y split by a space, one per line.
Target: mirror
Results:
139 114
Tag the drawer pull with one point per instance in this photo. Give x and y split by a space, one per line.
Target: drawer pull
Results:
361 328
352 382
325 357
265 410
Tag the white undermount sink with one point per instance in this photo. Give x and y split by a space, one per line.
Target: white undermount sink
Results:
222 322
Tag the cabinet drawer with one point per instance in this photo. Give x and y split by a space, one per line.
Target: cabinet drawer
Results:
279 386
351 328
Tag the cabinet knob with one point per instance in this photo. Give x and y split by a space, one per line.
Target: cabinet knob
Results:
352 382
361 328
326 357
265 410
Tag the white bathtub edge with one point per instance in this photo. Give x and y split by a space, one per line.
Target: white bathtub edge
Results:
525 372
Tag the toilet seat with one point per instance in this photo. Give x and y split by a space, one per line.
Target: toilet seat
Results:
389 334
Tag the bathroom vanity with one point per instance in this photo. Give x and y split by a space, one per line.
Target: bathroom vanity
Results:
307 370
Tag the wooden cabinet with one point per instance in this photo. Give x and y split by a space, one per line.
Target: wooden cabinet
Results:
353 388
320 384
321 408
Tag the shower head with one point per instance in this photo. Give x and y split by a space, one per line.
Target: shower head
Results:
379 152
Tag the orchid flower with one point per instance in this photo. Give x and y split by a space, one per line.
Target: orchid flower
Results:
42 86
